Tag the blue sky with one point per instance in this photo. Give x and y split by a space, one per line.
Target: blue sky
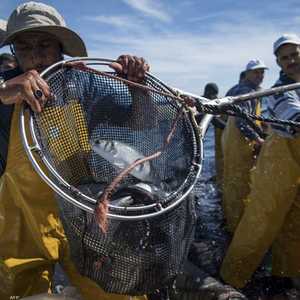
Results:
187 42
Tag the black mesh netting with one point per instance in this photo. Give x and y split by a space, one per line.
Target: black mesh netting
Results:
91 129
135 257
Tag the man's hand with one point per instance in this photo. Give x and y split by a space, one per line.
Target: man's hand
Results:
132 67
28 87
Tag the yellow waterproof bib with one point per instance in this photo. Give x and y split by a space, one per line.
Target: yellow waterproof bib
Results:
32 239
219 157
271 217
238 160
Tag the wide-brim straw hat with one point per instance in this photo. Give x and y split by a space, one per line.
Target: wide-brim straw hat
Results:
35 16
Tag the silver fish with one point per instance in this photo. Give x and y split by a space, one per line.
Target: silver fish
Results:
123 201
122 155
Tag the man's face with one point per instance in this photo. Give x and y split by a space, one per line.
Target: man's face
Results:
255 76
211 95
36 50
288 58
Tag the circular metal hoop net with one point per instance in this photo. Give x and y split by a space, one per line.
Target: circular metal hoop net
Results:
94 127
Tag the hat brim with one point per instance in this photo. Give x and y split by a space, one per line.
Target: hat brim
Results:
292 42
257 68
71 42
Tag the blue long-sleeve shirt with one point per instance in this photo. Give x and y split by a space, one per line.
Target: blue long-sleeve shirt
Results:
285 106
249 106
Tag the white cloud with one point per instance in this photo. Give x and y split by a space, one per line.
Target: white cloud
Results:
202 18
121 22
149 8
188 61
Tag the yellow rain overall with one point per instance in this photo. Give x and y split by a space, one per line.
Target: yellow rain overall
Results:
219 157
32 239
271 217
238 160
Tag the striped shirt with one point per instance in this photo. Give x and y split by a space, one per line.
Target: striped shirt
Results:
249 106
285 106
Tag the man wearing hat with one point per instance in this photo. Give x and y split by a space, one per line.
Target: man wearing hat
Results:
272 216
32 239
238 142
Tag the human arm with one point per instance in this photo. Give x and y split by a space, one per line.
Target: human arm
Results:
22 88
134 69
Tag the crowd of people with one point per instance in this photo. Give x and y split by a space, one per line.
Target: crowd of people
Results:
258 166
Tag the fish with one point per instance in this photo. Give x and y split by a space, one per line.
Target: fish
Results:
123 201
122 155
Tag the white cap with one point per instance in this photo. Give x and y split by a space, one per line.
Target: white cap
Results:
289 38
254 64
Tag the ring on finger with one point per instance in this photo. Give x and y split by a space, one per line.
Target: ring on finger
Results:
38 94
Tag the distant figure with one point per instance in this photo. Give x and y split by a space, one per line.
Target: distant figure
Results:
7 62
211 91
240 141
2 29
241 80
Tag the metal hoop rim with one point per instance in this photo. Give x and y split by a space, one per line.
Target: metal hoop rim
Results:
89 202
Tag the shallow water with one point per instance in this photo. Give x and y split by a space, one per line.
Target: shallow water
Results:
210 234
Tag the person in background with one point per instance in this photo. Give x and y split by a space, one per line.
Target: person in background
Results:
32 239
241 80
272 215
2 29
239 143
211 91
7 62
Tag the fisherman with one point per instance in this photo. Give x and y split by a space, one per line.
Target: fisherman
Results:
211 91
239 143
32 239
241 80
272 214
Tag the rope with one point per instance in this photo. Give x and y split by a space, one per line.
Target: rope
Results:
237 111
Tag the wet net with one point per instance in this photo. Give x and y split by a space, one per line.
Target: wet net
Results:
93 128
